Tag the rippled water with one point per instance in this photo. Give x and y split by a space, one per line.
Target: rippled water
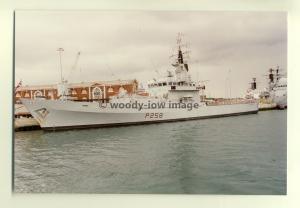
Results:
234 155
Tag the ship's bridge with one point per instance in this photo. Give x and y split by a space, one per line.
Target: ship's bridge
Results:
164 87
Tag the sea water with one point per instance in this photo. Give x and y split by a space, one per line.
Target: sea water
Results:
232 155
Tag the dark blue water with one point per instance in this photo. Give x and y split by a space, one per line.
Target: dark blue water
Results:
234 155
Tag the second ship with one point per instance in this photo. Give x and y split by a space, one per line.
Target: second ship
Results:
274 96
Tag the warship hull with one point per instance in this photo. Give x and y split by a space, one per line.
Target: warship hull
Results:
57 114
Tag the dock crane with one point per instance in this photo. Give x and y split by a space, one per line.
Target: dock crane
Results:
74 66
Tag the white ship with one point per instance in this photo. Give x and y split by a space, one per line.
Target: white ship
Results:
273 96
264 100
252 92
172 98
277 88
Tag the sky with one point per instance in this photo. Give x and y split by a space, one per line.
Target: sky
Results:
227 49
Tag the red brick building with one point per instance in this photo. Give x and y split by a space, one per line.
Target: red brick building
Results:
85 91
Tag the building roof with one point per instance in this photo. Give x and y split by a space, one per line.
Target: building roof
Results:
75 85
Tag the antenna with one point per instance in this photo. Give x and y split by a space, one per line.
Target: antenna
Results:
60 50
179 38
181 55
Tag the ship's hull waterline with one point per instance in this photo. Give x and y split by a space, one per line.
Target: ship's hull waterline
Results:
281 102
61 115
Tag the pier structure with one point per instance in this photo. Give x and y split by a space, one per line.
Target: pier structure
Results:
84 91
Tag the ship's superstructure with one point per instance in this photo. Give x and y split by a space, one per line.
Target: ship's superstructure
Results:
174 97
175 85
278 88
279 93
252 92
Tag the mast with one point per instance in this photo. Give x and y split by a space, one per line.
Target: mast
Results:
60 50
277 73
62 88
271 75
253 84
180 59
